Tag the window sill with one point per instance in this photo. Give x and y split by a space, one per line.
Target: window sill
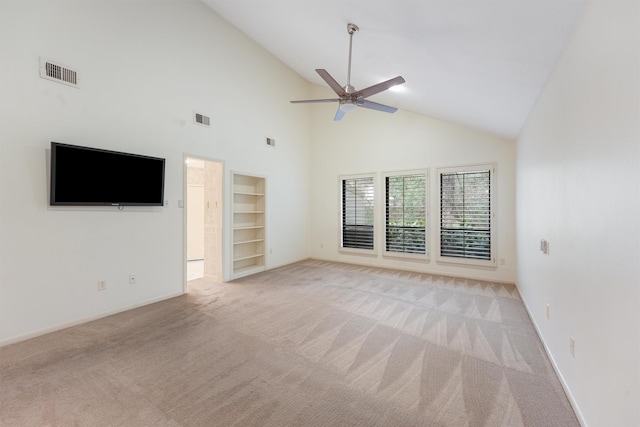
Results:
488 264
353 251
407 256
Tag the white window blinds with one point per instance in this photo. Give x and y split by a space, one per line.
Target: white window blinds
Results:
405 217
357 212
465 214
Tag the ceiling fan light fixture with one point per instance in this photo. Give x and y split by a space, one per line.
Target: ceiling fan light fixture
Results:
347 106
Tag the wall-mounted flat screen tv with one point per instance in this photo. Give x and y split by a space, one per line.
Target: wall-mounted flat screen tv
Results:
83 176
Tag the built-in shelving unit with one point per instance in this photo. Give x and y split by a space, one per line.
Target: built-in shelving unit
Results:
248 224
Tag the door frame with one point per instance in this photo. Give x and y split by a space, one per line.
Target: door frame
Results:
186 156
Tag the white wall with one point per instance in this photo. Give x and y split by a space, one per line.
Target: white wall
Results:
144 67
578 186
368 141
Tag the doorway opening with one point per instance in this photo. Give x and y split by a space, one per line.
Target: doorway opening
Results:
203 219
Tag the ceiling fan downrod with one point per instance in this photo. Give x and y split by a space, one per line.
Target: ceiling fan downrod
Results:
351 29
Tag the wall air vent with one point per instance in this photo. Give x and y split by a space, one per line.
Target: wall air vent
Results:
58 73
201 119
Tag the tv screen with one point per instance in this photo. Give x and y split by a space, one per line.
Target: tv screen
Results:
83 176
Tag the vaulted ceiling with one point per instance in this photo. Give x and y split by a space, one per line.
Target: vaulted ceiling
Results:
479 63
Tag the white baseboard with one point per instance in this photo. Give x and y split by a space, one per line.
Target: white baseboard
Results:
77 322
271 267
566 388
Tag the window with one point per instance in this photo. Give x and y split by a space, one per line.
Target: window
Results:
406 213
357 212
466 214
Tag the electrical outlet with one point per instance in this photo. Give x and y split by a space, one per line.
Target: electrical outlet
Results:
548 310
132 279
102 285
572 347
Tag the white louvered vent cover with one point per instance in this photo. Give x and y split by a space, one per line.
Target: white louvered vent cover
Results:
201 119
58 73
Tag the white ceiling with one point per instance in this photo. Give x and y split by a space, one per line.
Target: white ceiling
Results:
479 63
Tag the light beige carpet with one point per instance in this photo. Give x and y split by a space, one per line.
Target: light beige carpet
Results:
310 344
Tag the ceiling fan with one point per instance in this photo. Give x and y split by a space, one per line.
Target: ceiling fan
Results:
349 97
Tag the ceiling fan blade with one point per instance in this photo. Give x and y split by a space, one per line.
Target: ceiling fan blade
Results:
333 84
372 90
378 107
339 115
307 101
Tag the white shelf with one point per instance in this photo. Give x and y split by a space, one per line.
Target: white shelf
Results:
248 241
251 227
248 257
243 193
248 224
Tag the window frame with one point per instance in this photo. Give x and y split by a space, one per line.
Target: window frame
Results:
427 217
491 262
341 247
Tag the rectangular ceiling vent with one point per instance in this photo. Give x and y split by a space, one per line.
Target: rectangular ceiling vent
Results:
58 73
201 119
